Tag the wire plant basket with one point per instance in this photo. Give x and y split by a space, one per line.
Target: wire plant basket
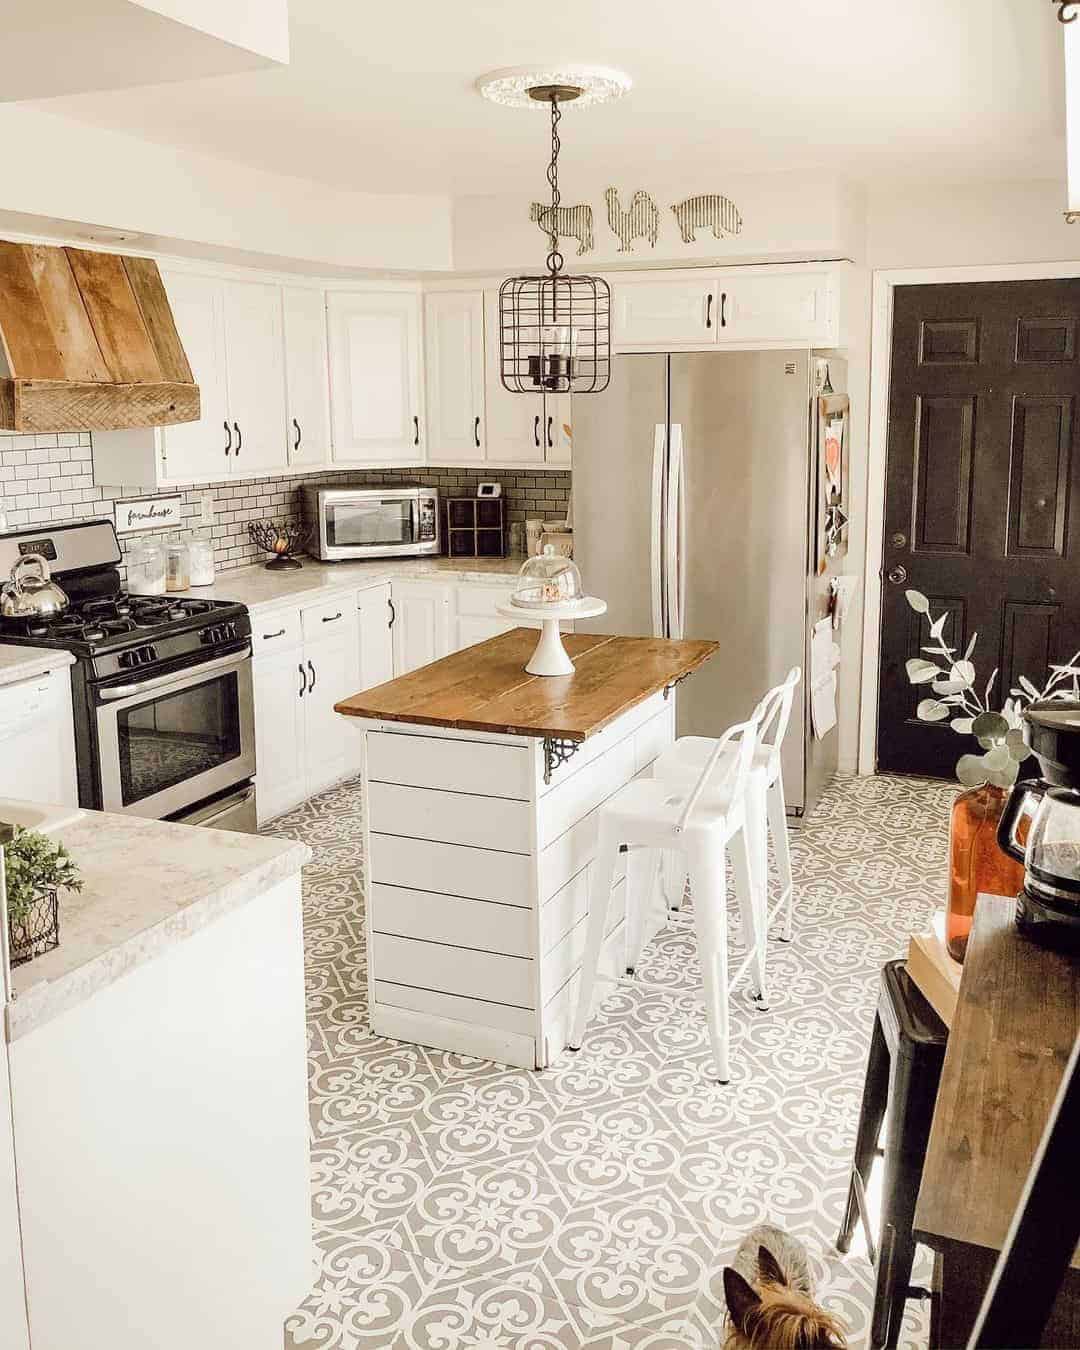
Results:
36 929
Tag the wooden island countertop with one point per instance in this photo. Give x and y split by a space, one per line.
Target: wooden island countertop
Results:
486 688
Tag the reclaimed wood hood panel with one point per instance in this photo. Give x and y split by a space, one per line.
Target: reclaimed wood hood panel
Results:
88 343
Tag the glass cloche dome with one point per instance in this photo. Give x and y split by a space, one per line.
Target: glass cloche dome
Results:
546 580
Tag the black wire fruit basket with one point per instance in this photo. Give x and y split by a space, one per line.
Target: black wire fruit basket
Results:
283 538
36 930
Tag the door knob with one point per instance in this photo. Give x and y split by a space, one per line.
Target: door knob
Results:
898 574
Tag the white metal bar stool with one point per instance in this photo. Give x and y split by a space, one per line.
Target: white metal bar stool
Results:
700 820
682 763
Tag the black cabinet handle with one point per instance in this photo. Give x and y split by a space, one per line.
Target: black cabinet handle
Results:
228 437
476 432
708 310
550 442
416 429
311 672
239 438
303 680
723 302
280 633
331 618
536 430
296 426
393 612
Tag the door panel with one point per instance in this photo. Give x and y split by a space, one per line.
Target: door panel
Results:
279 732
454 369
375 614
197 449
515 422
981 471
375 394
255 360
307 387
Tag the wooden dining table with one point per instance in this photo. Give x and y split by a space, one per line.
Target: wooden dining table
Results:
1017 1016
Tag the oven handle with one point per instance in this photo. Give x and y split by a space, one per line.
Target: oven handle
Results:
118 691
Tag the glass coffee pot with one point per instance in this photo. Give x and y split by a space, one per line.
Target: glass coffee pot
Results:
1048 907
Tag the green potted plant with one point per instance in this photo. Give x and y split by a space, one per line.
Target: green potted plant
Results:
35 868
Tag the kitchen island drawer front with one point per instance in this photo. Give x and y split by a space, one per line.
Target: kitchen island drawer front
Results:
454 766
432 917
450 869
450 817
320 621
474 1011
453 970
274 631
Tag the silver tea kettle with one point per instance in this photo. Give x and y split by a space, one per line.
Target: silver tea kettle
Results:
31 593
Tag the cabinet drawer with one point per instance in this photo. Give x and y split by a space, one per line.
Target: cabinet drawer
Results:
456 766
451 869
450 817
431 917
320 621
453 970
274 631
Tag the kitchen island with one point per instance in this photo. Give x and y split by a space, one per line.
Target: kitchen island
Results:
481 785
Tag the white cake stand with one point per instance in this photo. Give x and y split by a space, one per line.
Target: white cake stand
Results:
550 656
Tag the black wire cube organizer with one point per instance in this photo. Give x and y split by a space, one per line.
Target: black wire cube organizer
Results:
555 334
36 930
475 527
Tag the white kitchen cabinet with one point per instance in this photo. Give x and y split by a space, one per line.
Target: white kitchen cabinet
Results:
307 380
454 375
421 623
331 662
521 428
781 306
375 617
375 376
659 310
37 740
255 376
280 764
14 1332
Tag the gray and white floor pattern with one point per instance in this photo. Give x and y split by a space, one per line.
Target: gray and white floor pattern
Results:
458 1203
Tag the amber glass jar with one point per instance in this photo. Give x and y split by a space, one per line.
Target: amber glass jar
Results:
976 863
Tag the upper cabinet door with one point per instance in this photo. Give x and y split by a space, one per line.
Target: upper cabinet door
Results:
256 377
375 384
662 311
515 422
194 450
777 307
454 372
558 427
307 385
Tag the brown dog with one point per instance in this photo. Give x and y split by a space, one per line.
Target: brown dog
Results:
770 1297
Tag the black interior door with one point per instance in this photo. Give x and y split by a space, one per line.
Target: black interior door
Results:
982 513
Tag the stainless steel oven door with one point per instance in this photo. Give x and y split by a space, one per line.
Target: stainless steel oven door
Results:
170 741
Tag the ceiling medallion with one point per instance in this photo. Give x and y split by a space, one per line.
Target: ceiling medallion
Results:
513 86
1066 9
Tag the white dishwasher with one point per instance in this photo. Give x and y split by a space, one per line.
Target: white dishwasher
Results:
37 740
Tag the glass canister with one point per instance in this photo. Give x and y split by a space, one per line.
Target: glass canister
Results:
201 554
177 566
146 567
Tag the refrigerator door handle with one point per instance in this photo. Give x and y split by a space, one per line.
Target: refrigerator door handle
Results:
675 569
656 530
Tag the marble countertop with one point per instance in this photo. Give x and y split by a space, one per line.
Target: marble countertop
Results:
23 663
146 888
259 588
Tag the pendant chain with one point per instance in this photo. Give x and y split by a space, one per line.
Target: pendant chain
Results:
554 258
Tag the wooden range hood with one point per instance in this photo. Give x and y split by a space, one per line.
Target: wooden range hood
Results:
88 343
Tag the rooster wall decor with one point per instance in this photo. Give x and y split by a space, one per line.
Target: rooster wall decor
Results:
641 221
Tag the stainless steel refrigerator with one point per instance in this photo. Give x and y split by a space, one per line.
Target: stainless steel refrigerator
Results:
694 511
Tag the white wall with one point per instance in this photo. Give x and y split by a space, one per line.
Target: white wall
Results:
66 170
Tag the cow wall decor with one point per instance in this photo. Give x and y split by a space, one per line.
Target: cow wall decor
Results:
571 222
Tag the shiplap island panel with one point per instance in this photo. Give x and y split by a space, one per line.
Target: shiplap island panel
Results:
481 788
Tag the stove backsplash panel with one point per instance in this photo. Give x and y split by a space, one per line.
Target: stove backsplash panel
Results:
49 479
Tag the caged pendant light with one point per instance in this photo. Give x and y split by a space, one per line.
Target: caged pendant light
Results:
554 328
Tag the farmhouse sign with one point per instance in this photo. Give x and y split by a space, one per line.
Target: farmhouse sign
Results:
149 513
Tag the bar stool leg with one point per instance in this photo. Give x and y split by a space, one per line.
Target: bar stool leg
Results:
748 891
778 828
643 866
709 881
871 1114
601 877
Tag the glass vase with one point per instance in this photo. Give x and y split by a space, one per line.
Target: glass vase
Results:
976 863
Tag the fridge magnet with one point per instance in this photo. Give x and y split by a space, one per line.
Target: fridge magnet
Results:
832 531
571 222
640 221
720 214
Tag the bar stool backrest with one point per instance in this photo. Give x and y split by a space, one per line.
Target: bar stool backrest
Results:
774 711
734 772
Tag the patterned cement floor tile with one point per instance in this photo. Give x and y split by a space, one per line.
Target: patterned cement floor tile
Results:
458 1203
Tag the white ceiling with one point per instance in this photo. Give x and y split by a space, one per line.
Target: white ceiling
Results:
380 97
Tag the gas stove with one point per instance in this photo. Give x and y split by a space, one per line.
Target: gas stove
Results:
161 685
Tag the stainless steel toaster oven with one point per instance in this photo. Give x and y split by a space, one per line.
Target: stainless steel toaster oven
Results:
372 522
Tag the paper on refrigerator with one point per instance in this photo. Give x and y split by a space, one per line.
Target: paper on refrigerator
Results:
824 658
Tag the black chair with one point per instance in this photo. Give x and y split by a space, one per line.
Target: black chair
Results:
907 1051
